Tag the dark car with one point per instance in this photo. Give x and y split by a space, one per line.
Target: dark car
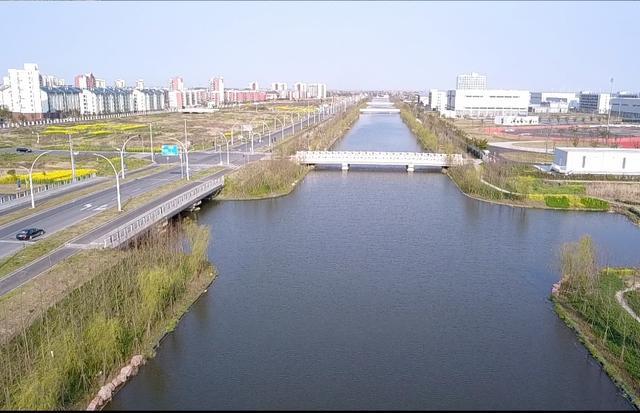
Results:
27 234
23 150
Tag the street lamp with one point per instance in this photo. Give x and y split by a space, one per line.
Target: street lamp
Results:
227 142
186 154
122 154
234 125
117 179
151 138
73 163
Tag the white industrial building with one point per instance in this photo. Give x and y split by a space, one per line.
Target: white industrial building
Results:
438 100
628 108
592 102
471 81
488 103
571 98
597 161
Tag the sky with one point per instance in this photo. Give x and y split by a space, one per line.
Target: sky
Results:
553 46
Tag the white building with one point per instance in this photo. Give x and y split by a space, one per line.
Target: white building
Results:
551 106
216 90
119 83
438 100
591 102
254 85
140 84
88 102
101 83
471 81
316 91
571 98
597 161
25 97
299 91
488 103
50 81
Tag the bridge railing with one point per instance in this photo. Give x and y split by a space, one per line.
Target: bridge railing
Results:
126 231
370 156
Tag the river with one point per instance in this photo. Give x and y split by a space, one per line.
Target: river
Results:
379 289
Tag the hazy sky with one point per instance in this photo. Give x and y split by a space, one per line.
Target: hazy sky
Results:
386 45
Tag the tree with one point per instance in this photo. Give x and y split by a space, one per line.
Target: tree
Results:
575 140
5 114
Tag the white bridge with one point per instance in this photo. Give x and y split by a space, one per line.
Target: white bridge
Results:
408 159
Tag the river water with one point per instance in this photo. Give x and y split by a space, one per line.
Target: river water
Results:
379 289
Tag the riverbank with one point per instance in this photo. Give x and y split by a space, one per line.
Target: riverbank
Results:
61 357
531 191
280 176
585 299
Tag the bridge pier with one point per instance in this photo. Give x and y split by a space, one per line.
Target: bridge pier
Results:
345 166
410 168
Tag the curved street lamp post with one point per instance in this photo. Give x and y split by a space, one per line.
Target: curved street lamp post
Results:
117 179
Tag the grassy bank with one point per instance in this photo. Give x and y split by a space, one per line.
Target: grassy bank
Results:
585 300
62 358
278 176
262 179
521 185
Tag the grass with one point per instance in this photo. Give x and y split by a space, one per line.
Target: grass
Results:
59 360
557 201
427 138
586 301
262 179
202 129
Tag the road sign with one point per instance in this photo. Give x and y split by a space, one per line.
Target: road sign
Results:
169 150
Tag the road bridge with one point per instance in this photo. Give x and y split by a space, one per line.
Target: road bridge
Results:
407 159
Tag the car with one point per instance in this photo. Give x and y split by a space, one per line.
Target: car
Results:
29 233
23 150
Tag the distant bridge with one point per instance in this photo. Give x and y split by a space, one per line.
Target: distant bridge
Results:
379 110
407 159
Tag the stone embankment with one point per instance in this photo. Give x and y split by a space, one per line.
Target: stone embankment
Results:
107 391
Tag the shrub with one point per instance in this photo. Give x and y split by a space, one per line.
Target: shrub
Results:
594 203
557 201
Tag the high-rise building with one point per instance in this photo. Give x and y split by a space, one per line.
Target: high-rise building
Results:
253 85
139 84
300 91
25 95
317 91
119 83
278 86
101 83
176 83
471 81
216 90
85 81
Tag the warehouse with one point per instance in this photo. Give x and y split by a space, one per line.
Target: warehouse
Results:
600 161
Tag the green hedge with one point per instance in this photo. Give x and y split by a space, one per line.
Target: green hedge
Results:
557 201
594 203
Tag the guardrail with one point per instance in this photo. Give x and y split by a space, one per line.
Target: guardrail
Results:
41 188
384 158
126 231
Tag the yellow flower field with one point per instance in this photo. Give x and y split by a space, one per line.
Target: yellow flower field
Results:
47 177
